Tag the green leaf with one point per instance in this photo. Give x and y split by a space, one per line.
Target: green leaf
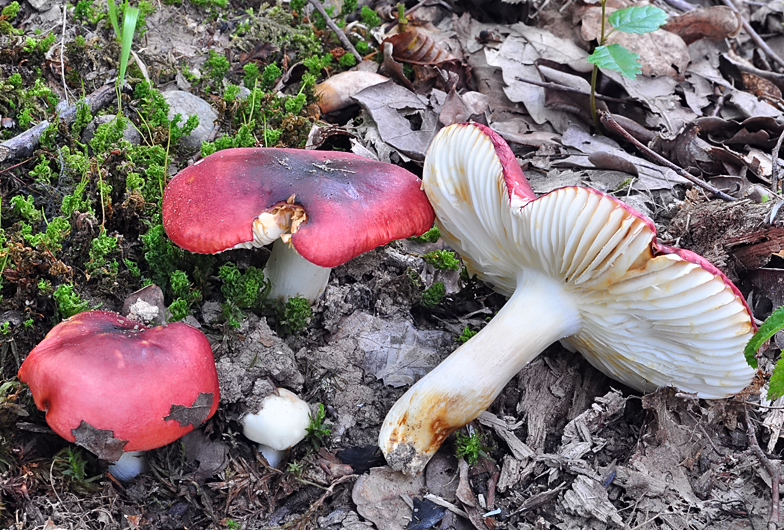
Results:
113 16
772 324
130 17
637 19
776 387
616 57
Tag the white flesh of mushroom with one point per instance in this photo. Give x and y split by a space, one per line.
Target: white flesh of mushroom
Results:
281 423
289 274
130 464
579 268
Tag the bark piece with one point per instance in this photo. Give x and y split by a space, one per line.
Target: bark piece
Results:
25 143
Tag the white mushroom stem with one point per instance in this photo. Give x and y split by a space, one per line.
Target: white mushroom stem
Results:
130 464
274 457
539 313
292 275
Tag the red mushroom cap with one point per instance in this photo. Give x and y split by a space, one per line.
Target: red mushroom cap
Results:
352 204
111 384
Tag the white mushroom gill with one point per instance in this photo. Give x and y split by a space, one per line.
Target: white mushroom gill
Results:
580 267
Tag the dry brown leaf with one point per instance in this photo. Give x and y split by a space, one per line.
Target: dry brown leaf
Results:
393 68
759 87
713 23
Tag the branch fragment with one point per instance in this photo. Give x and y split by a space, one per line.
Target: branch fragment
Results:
339 32
26 143
773 471
608 121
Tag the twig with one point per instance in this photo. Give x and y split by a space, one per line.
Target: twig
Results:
25 143
608 121
327 492
572 90
413 8
51 481
754 35
774 174
773 471
719 91
62 53
339 32
682 5
435 499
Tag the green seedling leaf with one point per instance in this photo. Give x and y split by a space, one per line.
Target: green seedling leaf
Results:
616 57
637 19
130 17
112 8
772 324
776 386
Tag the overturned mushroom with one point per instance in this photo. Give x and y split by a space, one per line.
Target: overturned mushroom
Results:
580 267
114 386
319 208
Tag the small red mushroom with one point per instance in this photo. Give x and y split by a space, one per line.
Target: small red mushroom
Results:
320 208
111 384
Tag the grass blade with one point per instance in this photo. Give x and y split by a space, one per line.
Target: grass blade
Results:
130 17
113 17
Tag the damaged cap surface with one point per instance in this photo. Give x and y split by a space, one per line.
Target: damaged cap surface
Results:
104 380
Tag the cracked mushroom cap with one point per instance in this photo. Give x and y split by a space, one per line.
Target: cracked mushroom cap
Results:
335 205
111 384
649 315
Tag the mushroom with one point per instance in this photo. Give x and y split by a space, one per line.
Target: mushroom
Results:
320 208
281 423
336 92
112 385
580 267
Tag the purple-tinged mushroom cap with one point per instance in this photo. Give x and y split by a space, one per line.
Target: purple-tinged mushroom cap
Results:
580 267
330 206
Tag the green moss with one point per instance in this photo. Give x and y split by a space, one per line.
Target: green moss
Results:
161 255
296 315
251 75
100 248
217 66
443 260
210 3
349 6
244 290
470 447
433 295
369 17
466 335
270 75
51 239
83 117
347 60
6 16
68 301
431 236
24 207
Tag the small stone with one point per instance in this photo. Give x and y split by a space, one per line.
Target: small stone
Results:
130 134
40 5
186 104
